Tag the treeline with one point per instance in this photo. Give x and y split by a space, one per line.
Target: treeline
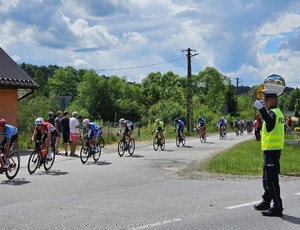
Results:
163 96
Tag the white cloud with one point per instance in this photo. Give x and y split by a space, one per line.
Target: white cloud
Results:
106 34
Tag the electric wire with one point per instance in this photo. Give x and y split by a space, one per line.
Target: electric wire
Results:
141 66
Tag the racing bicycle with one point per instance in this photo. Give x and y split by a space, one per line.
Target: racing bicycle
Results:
126 145
39 157
14 165
101 139
90 150
222 133
180 139
158 141
202 134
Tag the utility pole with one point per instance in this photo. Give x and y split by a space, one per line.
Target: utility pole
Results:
238 80
189 88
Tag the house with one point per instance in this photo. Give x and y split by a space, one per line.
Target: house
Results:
12 79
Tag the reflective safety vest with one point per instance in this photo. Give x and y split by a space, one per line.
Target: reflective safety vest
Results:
273 140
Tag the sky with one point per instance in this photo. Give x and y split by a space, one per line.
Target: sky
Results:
243 39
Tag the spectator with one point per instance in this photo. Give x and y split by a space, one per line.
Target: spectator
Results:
65 123
289 123
58 128
51 118
257 126
74 132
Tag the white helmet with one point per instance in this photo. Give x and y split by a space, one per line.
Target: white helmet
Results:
39 121
122 121
85 121
156 120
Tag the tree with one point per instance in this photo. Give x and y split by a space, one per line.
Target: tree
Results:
230 99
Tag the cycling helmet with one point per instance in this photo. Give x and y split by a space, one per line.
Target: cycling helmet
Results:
2 122
85 121
122 121
39 121
156 120
176 119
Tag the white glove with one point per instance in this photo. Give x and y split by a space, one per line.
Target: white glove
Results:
258 105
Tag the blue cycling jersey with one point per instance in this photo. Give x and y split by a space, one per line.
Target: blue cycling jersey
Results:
93 129
9 131
180 125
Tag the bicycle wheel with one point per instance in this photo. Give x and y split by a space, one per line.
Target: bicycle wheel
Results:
48 163
84 153
97 154
14 167
177 141
121 147
131 147
201 138
183 140
102 142
155 143
162 143
34 161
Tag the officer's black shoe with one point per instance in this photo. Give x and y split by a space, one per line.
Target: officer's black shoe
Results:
274 211
262 206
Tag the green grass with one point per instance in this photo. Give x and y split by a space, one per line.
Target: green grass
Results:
246 159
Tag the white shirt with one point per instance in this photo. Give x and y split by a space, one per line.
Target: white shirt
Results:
73 123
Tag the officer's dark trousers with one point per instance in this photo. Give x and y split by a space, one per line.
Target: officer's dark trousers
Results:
271 169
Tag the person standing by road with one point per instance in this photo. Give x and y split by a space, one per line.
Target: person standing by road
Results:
65 123
289 123
272 143
257 126
74 133
58 128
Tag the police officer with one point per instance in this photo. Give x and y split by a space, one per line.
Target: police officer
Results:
272 142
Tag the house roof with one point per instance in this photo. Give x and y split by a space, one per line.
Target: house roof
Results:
12 75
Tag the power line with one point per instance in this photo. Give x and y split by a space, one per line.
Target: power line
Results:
141 66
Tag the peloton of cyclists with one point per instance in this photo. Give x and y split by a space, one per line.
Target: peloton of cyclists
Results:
127 125
179 126
159 127
45 132
92 130
10 134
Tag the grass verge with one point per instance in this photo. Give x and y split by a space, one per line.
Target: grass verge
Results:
246 159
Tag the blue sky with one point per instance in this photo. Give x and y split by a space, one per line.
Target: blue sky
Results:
245 39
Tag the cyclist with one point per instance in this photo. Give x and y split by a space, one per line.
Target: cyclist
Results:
222 126
92 130
201 124
10 134
128 127
46 132
179 126
237 126
159 127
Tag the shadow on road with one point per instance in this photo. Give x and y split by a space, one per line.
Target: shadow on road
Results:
188 146
209 142
101 163
135 156
51 173
291 219
168 150
16 182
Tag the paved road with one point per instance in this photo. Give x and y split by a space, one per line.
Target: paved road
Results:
140 192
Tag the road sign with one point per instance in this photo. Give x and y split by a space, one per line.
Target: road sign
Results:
63 101
259 92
